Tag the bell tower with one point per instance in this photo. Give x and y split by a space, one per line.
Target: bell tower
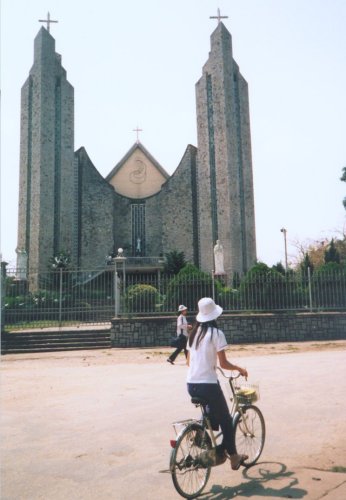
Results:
224 164
48 178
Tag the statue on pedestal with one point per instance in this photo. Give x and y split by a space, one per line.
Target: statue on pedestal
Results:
218 258
22 262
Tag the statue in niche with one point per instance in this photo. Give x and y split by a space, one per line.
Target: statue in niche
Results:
138 246
218 258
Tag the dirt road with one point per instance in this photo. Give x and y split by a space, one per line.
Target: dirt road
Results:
96 424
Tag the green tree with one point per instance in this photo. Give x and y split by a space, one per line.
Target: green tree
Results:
306 264
175 261
332 254
187 287
264 288
329 286
279 268
317 251
343 179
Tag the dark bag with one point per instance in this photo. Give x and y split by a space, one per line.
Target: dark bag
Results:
174 342
179 341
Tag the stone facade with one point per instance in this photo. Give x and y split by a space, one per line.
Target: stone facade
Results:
95 212
66 205
238 329
226 201
47 169
178 199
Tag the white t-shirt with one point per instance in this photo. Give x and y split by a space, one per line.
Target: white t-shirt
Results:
203 361
182 325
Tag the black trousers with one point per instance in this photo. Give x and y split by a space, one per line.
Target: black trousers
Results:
181 347
218 409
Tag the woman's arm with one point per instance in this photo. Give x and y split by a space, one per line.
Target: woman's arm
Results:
182 324
224 363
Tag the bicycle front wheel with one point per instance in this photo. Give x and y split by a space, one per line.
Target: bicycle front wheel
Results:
188 475
249 428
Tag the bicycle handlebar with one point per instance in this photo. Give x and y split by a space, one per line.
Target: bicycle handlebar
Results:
229 378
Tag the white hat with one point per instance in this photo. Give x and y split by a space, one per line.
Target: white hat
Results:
207 310
182 308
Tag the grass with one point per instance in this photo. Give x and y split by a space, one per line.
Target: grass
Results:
338 468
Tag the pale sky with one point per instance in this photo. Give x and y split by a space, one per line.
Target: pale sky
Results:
136 62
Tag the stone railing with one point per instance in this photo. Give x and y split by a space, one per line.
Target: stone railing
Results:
238 328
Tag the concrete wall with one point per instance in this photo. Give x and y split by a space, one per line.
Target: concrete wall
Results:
239 329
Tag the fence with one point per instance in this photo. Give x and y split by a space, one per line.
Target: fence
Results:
64 297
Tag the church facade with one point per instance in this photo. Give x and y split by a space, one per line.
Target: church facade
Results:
66 205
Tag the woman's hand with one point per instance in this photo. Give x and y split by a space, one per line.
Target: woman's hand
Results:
243 372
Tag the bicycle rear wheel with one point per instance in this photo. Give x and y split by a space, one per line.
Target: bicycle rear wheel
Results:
188 475
249 433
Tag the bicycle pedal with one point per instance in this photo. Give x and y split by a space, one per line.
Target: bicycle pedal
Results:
213 457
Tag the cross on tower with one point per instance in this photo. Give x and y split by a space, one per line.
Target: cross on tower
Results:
137 130
48 21
218 17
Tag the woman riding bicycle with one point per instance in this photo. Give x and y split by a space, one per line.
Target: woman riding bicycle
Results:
205 346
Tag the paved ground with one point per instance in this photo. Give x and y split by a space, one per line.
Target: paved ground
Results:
96 424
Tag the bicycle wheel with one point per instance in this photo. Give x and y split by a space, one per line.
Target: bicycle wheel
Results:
188 475
249 428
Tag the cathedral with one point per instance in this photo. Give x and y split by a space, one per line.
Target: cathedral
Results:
66 205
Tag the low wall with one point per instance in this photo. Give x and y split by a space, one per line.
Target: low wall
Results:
238 328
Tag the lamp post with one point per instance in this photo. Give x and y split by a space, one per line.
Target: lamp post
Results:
284 231
119 259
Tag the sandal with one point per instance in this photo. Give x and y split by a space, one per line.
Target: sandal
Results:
237 460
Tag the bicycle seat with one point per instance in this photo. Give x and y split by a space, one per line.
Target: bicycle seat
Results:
198 401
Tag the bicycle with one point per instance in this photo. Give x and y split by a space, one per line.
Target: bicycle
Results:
195 449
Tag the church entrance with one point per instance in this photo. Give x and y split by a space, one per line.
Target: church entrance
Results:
138 229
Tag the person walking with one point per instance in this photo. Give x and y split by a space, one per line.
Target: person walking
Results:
206 346
182 333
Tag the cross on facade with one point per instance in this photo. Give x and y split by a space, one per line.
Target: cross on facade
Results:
137 130
48 21
218 17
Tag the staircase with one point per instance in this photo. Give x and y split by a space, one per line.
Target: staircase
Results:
49 341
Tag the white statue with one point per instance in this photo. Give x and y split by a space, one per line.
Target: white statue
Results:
138 247
22 262
218 258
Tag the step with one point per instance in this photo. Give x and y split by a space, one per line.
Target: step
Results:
22 342
52 349
57 342
55 339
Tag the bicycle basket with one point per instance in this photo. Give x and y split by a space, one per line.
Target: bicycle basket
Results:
247 393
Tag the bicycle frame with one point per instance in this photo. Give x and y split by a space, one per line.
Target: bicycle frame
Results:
195 449
236 407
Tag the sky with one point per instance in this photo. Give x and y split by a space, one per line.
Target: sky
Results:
136 63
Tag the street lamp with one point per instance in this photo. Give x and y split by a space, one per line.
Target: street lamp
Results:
119 259
284 231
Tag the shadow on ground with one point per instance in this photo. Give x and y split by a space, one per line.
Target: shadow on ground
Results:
267 479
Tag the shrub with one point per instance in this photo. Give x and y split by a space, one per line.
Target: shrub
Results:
328 286
265 289
187 287
141 298
175 261
227 298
